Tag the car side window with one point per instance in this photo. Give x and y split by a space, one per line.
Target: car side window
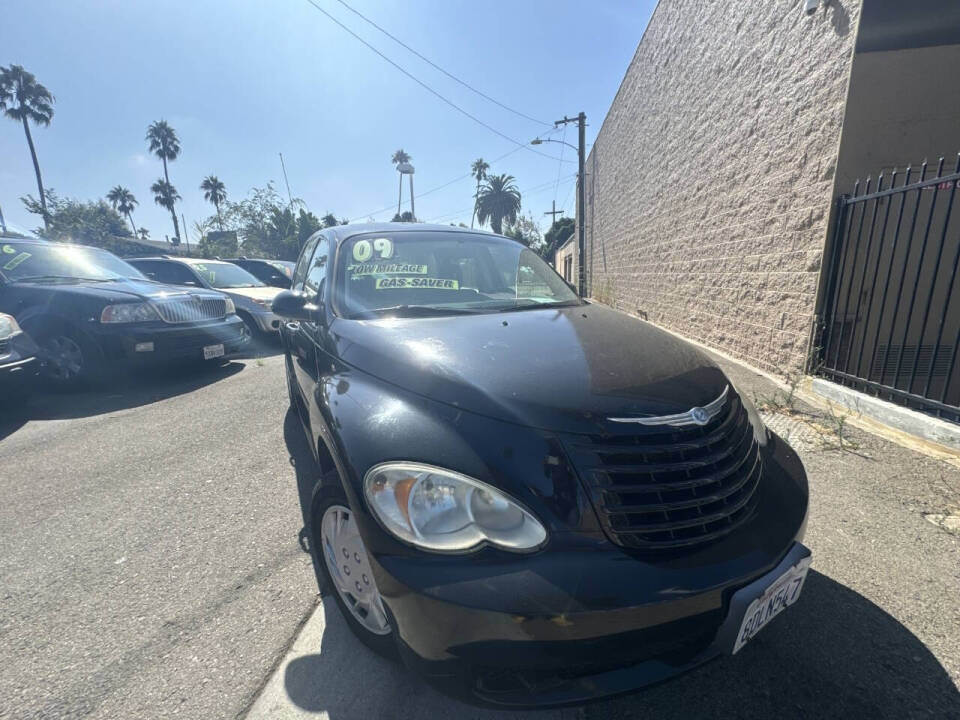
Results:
176 274
314 282
300 271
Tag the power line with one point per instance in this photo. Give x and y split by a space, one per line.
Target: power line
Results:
434 65
429 89
527 191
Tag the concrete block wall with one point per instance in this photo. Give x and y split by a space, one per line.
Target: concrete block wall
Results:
709 186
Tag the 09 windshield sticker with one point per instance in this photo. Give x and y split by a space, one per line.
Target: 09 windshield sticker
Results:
11 264
9 249
358 271
364 250
416 283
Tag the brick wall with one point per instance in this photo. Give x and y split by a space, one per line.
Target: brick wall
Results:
709 185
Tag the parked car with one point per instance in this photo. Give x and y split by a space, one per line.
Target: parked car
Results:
533 499
18 361
276 273
90 311
251 297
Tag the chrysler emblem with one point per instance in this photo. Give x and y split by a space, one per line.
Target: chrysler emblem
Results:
699 416
694 416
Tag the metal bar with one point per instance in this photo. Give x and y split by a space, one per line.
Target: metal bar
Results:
933 284
916 186
830 307
946 303
902 394
873 286
913 294
886 284
855 246
863 280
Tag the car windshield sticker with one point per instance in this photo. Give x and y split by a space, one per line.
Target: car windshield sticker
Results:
16 261
363 250
420 283
9 249
358 271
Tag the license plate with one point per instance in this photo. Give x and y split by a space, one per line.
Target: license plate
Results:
213 351
780 595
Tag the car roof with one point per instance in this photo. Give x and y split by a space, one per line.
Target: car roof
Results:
184 260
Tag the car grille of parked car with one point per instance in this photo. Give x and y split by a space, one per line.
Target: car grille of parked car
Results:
671 488
185 310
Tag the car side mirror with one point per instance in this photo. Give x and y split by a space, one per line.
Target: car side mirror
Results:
296 306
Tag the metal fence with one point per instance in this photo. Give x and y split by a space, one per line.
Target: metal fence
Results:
891 317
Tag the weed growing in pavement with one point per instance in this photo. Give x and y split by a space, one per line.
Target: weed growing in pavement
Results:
781 401
835 438
259 362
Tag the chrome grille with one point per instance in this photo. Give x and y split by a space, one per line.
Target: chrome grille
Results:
193 309
667 487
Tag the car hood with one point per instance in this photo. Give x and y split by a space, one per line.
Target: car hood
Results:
562 369
254 293
120 291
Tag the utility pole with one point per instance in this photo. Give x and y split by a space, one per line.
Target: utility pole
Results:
581 120
286 181
554 213
3 225
186 235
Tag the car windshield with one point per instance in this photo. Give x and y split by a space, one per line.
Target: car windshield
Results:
284 266
56 262
225 275
434 273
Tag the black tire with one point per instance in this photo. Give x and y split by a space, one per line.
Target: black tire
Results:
331 495
291 392
71 359
256 336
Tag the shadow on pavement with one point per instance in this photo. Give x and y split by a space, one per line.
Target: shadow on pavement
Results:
261 346
126 390
834 654
306 472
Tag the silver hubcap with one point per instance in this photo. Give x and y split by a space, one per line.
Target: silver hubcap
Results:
64 357
348 565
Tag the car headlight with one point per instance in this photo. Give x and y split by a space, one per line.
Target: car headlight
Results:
759 429
129 312
442 510
8 326
231 308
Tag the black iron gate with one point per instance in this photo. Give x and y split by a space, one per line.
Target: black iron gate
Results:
891 318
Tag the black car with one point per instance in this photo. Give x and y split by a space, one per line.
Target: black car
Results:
534 499
89 311
276 273
18 361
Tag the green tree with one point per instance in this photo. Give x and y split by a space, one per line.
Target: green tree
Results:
405 216
214 192
557 235
165 144
91 222
398 158
25 100
498 200
123 202
329 220
143 233
165 195
479 169
526 230
307 225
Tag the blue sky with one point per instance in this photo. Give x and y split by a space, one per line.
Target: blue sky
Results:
242 80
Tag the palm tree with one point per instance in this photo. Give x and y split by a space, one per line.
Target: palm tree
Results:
144 234
165 144
479 169
214 192
498 200
123 202
22 98
400 157
166 195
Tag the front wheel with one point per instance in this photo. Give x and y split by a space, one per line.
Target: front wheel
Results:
346 568
70 359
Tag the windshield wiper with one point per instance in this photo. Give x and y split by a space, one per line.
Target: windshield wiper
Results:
413 311
539 306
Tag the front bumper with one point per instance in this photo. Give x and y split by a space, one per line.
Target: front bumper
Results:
573 623
162 342
267 322
18 359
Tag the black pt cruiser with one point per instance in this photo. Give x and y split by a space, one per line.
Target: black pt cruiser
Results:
532 499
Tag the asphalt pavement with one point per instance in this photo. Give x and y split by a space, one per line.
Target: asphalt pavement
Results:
151 566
